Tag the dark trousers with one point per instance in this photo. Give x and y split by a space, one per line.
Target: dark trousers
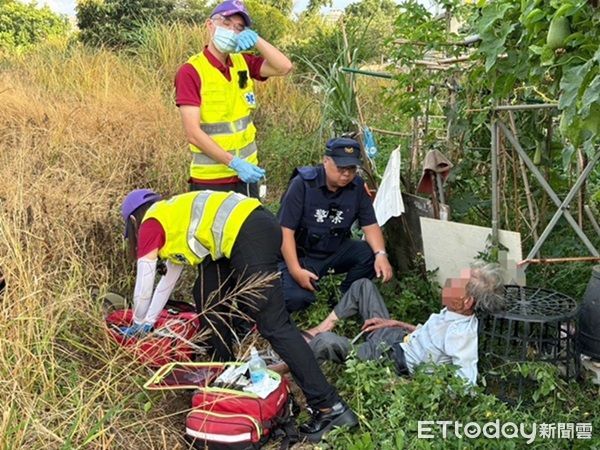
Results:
256 251
355 258
248 189
214 274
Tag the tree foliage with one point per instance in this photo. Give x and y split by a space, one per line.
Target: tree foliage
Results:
283 6
22 25
191 11
271 22
114 22
548 49
529 51
320 40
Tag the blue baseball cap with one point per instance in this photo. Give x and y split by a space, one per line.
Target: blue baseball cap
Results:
230 8
344 151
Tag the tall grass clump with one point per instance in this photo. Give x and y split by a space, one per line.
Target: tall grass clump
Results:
78 129
163 47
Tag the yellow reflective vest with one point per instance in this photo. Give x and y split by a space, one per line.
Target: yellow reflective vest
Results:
225 115
201 223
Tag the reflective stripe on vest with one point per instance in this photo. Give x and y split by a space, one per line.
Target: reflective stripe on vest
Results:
226 127
221 217
197 211
201 158
218 226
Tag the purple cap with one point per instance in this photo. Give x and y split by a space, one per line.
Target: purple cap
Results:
230 8
134 200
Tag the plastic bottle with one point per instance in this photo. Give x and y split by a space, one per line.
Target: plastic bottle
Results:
257 367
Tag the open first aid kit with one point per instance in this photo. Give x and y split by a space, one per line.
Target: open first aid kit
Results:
229 412
171 340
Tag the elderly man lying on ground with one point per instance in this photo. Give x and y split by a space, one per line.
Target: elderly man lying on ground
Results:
448 337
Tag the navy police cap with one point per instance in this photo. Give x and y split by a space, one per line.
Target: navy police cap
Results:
344 151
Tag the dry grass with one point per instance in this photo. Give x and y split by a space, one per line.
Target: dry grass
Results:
78 129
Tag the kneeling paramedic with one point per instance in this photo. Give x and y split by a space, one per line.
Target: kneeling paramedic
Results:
188 228
316 216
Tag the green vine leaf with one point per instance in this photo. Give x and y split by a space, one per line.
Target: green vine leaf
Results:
590 96
571 83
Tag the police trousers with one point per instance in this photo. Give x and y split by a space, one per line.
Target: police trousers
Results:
255 252
354 258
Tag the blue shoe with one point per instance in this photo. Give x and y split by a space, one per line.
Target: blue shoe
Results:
137 329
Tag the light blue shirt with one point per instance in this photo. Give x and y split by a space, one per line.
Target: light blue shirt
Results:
446 338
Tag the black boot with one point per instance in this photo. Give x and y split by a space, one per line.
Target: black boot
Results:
321 422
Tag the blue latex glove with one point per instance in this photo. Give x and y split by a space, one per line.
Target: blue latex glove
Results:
246 40
137 329
248 173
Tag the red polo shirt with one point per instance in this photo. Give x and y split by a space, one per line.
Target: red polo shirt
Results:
187 80
188 83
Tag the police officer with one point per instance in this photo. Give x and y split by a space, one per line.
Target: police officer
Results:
316 215
186 229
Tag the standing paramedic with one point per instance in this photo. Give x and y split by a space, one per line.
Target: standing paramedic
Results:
227 226
316 216
215 96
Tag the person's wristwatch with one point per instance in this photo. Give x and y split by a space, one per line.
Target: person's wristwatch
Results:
380 252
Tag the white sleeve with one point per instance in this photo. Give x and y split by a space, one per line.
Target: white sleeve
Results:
144 283
163 290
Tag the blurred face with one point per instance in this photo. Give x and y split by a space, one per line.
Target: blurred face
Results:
338 177
454 294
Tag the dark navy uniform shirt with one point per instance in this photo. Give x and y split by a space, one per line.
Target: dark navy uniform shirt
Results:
292 208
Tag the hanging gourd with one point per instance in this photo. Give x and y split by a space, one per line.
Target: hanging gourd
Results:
557 33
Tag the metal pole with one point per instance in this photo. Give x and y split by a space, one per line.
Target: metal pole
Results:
368 73
495 187
563 207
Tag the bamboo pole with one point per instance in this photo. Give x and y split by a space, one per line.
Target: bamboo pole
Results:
521 107
391 133
494 157
525 107
470 40
558 260
583 160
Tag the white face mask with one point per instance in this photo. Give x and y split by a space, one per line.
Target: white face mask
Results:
225 40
